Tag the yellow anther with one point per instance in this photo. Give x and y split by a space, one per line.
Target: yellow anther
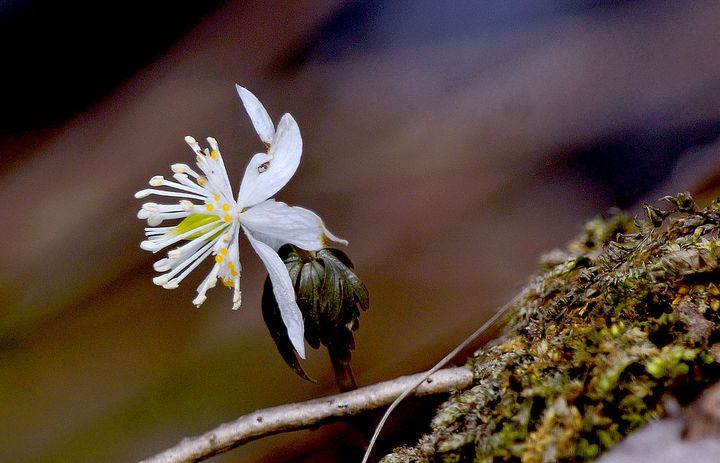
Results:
202 181
219 259
231 266
228 283
233 272
226 207
223 252
209 207
227 218
213 155
216 198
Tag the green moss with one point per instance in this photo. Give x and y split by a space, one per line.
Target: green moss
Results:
625 316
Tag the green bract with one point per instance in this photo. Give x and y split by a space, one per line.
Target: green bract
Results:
330 297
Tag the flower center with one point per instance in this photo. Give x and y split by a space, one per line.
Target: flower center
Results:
195 221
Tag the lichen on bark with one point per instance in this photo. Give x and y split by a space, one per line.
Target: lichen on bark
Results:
624 317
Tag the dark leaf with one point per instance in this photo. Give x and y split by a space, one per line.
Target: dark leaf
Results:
330 297
308 299
683 201
331 305
341 256
273 320
654 215
352 284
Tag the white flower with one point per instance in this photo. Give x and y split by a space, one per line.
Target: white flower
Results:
212 217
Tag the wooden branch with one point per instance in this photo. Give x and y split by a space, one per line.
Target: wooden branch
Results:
296 416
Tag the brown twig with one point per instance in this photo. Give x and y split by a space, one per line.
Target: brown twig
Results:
292 417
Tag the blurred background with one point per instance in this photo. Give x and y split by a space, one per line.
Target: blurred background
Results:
450 142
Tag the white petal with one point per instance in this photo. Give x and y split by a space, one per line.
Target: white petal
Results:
215 178
267 173
269 240
286 224
283 291
258 115
222 172
234 255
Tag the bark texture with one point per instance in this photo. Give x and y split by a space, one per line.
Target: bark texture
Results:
623 318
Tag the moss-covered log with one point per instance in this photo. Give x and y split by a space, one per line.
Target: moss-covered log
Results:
624 317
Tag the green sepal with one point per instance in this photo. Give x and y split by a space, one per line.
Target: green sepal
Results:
355 294
330 297
309 297
331 302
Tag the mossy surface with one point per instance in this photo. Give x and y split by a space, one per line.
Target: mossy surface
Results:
624 317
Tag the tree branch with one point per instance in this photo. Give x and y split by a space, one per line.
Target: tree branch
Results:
296 416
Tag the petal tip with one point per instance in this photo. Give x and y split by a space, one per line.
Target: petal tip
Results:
258 114
300 349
